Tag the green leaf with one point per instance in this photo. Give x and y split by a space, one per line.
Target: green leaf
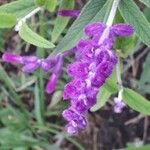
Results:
146 2
132 14
109 88
56 98
33 38
126 45
40 2
10 139
7 20
13 119
51 5
93 11
38 110
136 101
9 84
147 13
144 82
18 8
61 22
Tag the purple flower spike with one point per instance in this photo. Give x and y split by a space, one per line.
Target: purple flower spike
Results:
94 63
11 58
68 13
123 29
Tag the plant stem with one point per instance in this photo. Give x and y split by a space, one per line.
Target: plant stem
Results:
109 21
120 85
112 13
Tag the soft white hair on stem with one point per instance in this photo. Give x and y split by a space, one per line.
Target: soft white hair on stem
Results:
22 20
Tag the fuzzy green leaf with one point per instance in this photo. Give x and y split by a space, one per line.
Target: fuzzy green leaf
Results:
33 38
126 45
132 14
144 83
136 101
7 20
40 2
18 8
146 2
51 5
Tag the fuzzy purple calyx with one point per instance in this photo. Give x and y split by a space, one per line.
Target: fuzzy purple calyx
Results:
51 85
11 58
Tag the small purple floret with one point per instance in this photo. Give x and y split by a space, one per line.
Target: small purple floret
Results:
119 105
123 29
51 85
68 13
9 57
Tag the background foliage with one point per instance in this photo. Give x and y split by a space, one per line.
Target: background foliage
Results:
31 119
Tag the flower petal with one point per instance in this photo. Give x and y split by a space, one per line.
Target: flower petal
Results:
50 87
9 57
122 29
30 67
68 13
94 29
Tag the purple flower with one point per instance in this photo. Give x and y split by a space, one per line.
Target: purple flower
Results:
9 57
68 13
31 63
76 121
119 105
94 29
122 29
94 63
51 85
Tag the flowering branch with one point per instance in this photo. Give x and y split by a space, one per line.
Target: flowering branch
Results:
94 63
119 104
